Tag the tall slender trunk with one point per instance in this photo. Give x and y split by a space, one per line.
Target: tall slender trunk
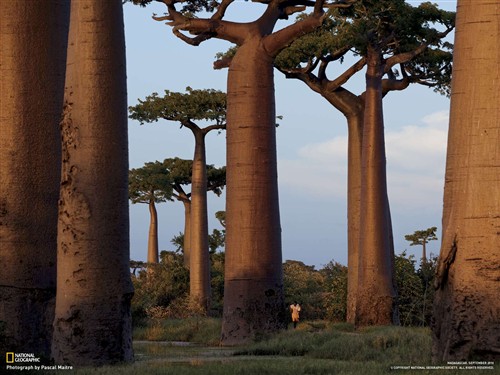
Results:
355 136
253 292
199 263
187 232
33 39
466 323
92 323
376 296
352 107
153 233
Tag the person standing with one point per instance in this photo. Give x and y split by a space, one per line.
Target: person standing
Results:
295 310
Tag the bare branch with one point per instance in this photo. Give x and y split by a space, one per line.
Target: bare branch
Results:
221 10
333 56
223 63
394 85
322 68
275 42
188 123
408 56
294 9
213 127
405 57
342 4
344 77
192 41
162 18
203 28
293 72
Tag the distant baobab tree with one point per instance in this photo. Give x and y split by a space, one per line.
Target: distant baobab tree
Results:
150 185
194 105
422 237
466 304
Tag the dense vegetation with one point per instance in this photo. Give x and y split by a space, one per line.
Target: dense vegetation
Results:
162 290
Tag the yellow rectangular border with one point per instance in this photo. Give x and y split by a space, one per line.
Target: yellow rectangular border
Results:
9 355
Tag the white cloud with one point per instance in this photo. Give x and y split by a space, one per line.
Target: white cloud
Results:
320 169
415 165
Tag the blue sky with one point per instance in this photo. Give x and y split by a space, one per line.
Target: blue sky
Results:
312 163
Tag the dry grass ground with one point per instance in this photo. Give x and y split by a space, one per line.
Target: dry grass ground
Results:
314 348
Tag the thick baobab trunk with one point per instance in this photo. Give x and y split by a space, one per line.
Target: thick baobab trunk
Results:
33 39
92 324
199 262
253 292
376 298
153 233
466 305
186 245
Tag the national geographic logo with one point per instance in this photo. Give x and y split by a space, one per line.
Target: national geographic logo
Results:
11 357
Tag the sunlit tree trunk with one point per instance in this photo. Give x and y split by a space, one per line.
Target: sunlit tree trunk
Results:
352 107
466 305
376 297
355 126
153 233
187 231
253 292
33 40
199 263
92 323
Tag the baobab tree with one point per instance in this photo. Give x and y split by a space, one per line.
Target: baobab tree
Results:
150 185
466 304
207 105
422 237
253 294
199 273
34 39
180 172
92 324
409 47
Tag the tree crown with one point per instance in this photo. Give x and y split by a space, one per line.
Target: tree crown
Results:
151 183
185 21
411 37
420 237
161 181
180 171
208 104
